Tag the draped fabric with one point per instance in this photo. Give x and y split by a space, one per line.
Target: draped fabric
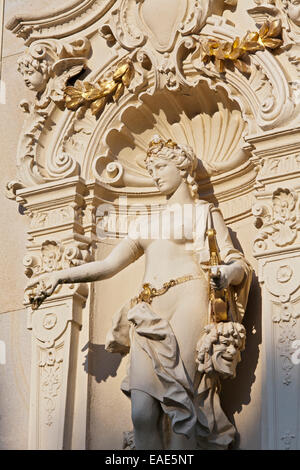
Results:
155 363
192 412
220 432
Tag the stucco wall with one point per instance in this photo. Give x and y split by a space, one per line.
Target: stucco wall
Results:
15 374
108 409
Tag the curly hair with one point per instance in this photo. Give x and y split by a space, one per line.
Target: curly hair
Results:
205 348
182 155
26 61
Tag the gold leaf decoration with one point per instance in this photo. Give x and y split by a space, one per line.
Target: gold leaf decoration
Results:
97 95
222 53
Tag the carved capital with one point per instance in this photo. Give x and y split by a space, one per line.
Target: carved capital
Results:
55 256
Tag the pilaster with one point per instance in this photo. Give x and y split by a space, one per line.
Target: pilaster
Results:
277 249
57 240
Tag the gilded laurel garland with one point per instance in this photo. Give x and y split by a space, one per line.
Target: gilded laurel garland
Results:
222 53
96 96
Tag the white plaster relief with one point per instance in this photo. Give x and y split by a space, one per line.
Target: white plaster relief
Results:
61 23
111 150
278 223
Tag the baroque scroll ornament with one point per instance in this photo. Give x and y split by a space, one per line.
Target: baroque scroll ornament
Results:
151 44
171 57
278 223
150 59
56 256
46 67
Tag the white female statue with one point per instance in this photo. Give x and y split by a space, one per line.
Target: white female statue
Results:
174 396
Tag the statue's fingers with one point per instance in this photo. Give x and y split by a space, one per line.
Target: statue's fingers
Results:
36 301
50 290
44 294
215 285
223 283
32 283
215 272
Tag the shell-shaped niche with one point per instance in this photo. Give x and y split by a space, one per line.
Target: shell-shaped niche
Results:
205 119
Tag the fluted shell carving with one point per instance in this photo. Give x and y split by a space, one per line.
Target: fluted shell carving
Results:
212 125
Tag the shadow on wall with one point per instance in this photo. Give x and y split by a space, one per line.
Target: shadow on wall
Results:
99 363
237 392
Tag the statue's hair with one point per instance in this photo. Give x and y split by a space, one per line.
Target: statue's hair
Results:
40 65
231 330
184 158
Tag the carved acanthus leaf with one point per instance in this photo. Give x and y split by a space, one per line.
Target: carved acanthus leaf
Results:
55 256
278 223
11 188
51 379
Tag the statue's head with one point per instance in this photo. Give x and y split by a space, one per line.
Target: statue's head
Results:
219 349
169 163
293 10
35 72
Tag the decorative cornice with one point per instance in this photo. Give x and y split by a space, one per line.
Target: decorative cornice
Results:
71 19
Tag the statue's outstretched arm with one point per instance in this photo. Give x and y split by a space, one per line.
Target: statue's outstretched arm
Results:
125 253
120 257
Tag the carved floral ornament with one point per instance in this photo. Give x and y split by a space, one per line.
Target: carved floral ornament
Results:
155 59
55 256
278 223
51 380
47 66
288 10
282 288
96 96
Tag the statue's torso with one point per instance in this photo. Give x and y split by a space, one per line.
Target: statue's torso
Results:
167 240
169 254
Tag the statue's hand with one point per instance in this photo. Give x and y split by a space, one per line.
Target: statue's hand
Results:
221 277
42 287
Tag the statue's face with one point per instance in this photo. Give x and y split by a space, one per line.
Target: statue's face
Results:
165 174
226 356
294 11
33 78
